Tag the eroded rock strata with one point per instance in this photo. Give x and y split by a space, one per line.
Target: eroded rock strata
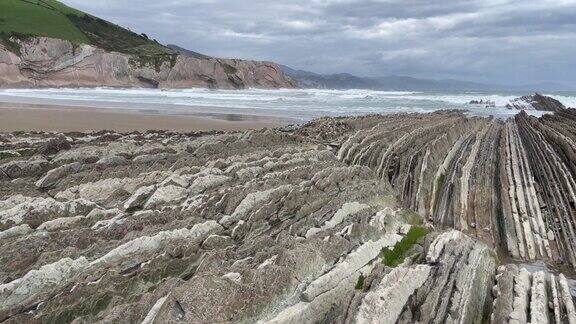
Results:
48 62
536 101
430 218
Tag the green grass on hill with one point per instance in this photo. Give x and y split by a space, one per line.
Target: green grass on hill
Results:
50 18
39 18
115 38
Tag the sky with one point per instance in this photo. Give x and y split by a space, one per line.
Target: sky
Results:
511 42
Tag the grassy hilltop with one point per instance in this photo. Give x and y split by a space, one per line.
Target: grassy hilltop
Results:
50 18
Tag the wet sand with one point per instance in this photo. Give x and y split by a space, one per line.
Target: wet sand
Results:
49 117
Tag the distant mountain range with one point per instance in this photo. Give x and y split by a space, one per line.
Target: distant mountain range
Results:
308 79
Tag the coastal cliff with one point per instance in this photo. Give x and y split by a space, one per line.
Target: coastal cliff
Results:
71 48
48 62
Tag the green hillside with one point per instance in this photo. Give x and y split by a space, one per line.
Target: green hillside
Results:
50 18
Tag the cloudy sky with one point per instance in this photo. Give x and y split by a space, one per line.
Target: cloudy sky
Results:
498 41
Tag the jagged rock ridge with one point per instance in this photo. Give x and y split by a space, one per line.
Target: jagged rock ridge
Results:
508 183
536 102
324 222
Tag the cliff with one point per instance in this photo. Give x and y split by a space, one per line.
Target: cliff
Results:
44 43
48 62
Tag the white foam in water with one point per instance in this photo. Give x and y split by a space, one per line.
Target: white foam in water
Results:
301 104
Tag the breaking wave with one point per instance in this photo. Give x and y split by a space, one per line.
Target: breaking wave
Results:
296 103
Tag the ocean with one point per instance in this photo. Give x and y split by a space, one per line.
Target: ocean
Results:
297 104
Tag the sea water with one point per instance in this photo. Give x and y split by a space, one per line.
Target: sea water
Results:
298 104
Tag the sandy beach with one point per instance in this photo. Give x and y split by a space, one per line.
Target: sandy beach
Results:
49 117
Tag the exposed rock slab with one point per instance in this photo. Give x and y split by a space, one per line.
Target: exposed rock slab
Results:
294 224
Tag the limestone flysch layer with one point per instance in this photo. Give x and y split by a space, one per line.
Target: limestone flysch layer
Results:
375 219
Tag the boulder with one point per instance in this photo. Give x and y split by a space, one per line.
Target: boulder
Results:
167 195
139 197
56 174
54 146
25 168
111 161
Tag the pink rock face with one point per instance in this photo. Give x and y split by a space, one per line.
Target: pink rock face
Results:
10 71
47 62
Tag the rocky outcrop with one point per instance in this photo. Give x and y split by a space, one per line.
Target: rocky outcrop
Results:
487 103
400 218
46 62
536 102
540 296
506 183
430 292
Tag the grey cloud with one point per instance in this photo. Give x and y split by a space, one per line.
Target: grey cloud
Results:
500 41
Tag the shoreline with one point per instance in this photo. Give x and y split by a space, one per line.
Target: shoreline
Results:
16 116
167 109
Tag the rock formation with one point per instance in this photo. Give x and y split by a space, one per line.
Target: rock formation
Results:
47 62
486 103
536 102
401 218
